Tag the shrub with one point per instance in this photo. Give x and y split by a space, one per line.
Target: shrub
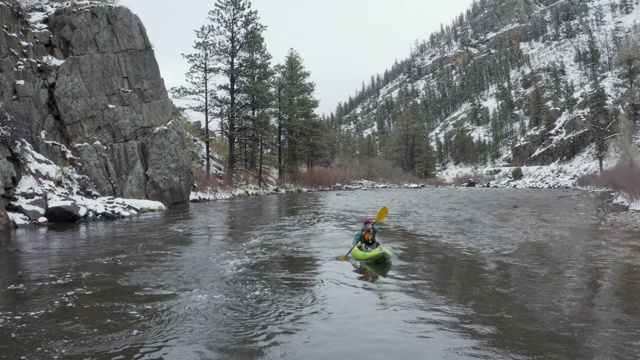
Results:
516 173
321 178
623 178
201 182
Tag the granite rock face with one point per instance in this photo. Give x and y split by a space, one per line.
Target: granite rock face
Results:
81 82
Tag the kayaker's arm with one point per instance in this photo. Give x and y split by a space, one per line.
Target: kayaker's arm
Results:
357 237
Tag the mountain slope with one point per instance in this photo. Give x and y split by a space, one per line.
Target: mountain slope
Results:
541 84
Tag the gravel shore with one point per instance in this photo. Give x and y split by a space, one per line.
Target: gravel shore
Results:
618 215
628 220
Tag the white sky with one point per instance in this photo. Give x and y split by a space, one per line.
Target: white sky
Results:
342 42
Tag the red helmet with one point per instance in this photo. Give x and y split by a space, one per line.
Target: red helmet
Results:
367 222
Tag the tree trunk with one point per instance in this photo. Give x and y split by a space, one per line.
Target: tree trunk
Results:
260 162
280 165
206 133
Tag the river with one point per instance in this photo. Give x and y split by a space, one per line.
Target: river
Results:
477 273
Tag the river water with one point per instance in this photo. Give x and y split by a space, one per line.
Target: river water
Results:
477 273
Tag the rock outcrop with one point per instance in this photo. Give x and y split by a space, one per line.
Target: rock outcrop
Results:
81 85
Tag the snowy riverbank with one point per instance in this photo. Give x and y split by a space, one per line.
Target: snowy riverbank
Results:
51 192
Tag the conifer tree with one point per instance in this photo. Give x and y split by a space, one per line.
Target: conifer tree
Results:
200 89
440 158
591 56
626 6
629 61
497 134
234 27
406 137
257 86
536 108
297 123
426 157
556 83
462 148
601 123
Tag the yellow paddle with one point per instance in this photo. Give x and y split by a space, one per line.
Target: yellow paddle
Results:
381 215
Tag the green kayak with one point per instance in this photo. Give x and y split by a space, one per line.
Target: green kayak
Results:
379 254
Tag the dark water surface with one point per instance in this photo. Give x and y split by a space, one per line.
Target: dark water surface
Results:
477 274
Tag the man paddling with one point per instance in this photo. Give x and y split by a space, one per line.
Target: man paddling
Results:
367 236
381 215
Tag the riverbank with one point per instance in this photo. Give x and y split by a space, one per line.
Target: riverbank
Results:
616 213
627 220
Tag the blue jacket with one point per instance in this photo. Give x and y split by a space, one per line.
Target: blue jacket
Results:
358 235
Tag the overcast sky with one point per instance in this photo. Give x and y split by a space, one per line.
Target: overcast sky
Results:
342 42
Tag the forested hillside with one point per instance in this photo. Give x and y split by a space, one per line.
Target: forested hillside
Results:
507 83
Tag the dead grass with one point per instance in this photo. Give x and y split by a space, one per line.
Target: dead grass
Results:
370 169
201 182
623 178
321 178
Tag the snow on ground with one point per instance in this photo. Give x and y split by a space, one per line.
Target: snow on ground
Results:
227 193
39 10
59 186
633 205
556 175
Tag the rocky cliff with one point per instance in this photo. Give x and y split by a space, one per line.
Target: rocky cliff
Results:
80 84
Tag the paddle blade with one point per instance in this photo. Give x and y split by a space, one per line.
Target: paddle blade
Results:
346 256
382 214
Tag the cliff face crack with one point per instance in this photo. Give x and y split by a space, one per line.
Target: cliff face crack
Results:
57 126
51 103
110 178
144 160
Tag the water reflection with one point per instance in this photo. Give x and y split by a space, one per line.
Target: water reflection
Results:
372 271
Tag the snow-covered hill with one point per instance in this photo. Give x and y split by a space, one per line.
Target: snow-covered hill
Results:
543 44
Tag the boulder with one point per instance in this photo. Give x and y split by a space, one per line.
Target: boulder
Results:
64 211
33 209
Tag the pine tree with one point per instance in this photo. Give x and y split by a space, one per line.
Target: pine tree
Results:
257 86
497 134
626 6
601 122
426 157
556 83
568 89
297 122
463 150
405 137
629 61
234 27
536 108
199 91
593 53
439 154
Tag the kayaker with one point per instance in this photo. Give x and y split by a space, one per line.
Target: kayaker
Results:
367 236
